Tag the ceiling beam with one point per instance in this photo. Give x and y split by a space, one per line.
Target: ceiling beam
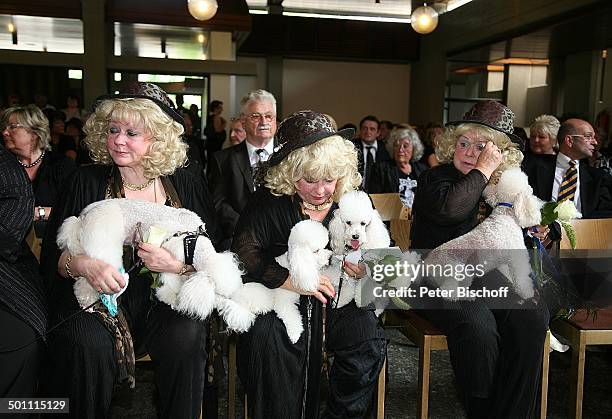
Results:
165 66
37 58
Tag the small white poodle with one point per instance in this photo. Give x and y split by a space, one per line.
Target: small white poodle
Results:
498 240
306 255
103 227
355 226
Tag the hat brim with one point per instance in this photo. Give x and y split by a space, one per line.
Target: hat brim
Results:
281 154
165 108
513 137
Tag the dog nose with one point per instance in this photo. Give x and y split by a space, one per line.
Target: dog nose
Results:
355 236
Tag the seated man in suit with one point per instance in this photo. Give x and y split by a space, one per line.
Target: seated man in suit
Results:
231 170
568 175
369 149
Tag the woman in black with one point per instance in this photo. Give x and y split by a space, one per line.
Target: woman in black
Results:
26 135
496 353
23 309
135 139
311 168
401 173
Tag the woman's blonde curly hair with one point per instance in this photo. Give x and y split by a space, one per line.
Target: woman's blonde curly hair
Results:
167 152
511 155
330 158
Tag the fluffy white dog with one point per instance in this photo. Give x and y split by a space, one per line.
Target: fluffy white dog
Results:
498 240
355 226
306 255
103 227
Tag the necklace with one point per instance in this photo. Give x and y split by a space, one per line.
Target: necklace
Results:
35 162
134 187
323 206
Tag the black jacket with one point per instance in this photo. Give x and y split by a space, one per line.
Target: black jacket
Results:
385 176
20 284
445 205
595 184
231 184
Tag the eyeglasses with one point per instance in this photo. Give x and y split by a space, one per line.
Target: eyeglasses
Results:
403 145
13 127
588 137
464 144
256 117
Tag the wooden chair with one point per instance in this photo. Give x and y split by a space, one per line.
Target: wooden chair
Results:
389 206
581 331
392 210
428 338
34 243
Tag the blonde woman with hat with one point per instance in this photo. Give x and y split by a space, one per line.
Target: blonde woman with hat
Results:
135 140
311 168
496 353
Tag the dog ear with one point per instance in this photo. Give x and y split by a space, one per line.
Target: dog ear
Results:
336 233
527 209
378 235
303 268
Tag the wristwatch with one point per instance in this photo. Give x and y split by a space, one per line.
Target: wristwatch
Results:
41 213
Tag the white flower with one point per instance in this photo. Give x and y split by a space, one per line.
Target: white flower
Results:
155 236
566 210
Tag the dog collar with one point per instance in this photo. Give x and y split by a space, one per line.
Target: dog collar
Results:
504 204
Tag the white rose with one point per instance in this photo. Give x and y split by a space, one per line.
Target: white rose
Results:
155 236
566 210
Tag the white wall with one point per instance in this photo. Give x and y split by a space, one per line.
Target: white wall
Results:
347 90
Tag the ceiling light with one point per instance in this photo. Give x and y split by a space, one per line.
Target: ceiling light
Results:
424 19
202 9
11 27
201 38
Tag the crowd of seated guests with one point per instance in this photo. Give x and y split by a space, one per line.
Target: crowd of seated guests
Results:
262 182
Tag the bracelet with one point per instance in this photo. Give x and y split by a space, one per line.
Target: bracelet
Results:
67 266
183 270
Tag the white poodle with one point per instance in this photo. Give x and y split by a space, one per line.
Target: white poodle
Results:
355 226
498 240
103 227
306 255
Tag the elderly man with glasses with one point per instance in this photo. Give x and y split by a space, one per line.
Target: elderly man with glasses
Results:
231 170
567 175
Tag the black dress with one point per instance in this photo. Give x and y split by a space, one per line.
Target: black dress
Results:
496 354
23 309
53 171
282 379
82 355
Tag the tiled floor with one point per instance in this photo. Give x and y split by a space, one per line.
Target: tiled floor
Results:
401 389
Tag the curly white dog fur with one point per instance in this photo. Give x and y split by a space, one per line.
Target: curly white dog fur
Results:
103 227
306 255
356 226
498 240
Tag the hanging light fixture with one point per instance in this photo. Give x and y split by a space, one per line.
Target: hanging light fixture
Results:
424 19
202 9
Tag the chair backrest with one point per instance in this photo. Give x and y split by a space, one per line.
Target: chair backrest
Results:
389 206
590 234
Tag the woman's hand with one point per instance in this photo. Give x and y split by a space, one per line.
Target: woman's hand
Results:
541 233
355 270
102 276
158 259
325 287
489 159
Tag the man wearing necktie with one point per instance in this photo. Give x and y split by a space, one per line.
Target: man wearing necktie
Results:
370 150
567 176
232 170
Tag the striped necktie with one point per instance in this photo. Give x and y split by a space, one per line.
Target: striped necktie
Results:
567 190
